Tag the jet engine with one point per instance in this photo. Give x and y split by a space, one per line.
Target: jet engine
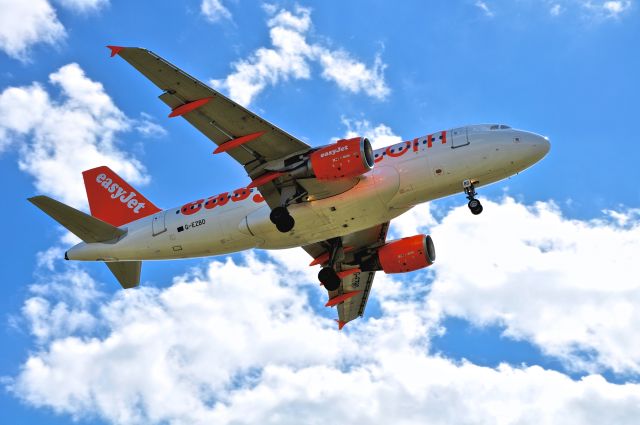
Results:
347 158
343 159
403 255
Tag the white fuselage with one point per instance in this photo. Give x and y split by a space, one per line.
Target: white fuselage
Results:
404 175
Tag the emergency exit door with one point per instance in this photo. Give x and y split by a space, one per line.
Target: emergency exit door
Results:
159 225
459 137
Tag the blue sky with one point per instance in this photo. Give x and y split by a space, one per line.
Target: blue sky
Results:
545 303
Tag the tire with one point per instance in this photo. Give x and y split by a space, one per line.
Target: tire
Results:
277 214
477 210
285 224
474 204
329 278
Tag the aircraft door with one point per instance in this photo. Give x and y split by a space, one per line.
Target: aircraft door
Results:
459 137
159 224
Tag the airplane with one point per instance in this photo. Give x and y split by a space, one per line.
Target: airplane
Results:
335 201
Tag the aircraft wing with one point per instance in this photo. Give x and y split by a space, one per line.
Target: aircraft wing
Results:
355 288
222 120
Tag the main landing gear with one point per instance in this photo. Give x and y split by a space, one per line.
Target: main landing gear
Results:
469 189
280 215
328 276
282 219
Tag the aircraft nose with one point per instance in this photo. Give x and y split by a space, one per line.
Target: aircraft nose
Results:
536 147
541 145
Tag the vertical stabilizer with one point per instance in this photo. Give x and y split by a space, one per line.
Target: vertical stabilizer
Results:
113 200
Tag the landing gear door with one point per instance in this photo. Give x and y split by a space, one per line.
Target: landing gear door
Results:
159 224
459 137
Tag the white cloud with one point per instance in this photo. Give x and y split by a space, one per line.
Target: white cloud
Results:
565 285
236 343
354 76
290 57
214 10
61 306
484 8
379 136
593 11
598 9
83 6
614 9
58 139
25 23
555 10
147 127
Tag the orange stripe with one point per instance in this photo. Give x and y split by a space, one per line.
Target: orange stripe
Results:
264 179
188 107
341 298
234 143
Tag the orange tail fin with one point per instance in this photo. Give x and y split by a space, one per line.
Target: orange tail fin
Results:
113 200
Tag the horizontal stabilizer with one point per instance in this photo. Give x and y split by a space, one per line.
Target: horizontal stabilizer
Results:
127 272
84 226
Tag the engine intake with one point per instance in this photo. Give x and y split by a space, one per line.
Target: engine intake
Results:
345 158
403 255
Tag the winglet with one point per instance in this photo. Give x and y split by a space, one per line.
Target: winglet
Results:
115 50
340 324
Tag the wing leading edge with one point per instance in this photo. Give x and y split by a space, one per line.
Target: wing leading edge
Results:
219 118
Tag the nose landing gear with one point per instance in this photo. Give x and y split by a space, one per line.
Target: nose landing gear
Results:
469 189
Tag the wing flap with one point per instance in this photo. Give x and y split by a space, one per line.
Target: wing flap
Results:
354 306
351 306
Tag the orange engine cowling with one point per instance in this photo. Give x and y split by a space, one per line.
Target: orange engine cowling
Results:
407 254
345 158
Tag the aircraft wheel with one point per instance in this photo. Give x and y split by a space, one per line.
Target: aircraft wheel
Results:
277 214
329 278
475 206
285 224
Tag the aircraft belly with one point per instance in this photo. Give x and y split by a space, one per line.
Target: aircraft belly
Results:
363 206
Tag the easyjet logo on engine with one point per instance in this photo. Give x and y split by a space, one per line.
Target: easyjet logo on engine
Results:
334 151
119 193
